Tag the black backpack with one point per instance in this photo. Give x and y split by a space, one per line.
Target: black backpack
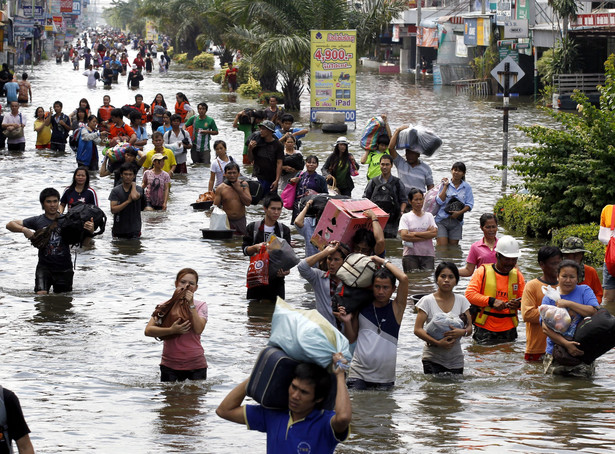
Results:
256 190
384 197
71 223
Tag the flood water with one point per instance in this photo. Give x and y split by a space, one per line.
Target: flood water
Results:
88 378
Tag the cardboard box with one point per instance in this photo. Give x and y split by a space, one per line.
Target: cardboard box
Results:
341 218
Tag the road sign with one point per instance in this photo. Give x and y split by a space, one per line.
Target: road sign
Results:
514 75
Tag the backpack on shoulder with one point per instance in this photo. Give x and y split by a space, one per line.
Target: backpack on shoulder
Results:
71 223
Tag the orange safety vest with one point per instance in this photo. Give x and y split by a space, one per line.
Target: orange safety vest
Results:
104 112
143 111
181 111
489 288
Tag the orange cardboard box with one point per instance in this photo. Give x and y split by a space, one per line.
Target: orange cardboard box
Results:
341 218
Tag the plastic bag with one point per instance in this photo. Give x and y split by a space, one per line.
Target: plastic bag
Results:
556 318
218 220
551 293
258 270
117 152
373 129
419 139
441 323
281 255
305 335
430 205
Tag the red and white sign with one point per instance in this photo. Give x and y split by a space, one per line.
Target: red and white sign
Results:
594 20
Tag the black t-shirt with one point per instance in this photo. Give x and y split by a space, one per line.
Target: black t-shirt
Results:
56 255
17 426
127 221
266 155
58 132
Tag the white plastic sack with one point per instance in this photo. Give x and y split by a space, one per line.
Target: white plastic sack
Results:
305 335
419 139
441 323
551 293
556 318
218 220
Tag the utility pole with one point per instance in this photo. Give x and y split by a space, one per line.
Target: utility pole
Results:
417 62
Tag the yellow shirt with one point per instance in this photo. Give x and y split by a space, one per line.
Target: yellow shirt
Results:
168 163
605 217
44 136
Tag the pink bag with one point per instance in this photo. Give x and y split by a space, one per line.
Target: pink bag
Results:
288 195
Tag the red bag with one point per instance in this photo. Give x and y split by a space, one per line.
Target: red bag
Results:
609 256
258 271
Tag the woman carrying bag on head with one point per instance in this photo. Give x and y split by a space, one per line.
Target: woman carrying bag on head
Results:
183 356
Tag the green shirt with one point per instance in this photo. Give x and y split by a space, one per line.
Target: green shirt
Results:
247 132
201 140
373 162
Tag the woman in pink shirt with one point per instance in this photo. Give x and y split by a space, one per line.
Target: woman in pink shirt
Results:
183 356
483 251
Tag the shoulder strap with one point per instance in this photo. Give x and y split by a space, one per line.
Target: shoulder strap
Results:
257 227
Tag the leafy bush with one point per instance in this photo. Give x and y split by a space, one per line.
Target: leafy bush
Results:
204 60
170 51
264 97
570 169
251 89
245 70
589 234
181 58
519 213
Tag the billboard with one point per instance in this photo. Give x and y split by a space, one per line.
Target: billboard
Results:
333 57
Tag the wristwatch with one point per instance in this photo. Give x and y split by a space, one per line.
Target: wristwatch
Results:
193 307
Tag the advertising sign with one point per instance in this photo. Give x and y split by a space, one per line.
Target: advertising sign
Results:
333 68
469 35
66 6
150 32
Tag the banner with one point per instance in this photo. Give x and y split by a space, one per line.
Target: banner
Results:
427 37
59 23
333 69
150 32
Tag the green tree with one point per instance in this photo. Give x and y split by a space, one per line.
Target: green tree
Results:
276 35
570 170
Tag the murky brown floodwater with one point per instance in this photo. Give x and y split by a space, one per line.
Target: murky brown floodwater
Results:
87 377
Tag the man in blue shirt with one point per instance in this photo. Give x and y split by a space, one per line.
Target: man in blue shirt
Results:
304 427
287 129
11 88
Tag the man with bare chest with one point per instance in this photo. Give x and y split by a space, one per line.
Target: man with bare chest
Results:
233 196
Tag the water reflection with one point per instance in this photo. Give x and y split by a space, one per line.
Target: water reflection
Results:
440 406
259 318
52 309
373 422
180 416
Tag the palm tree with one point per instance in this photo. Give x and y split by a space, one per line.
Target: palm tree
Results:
276 34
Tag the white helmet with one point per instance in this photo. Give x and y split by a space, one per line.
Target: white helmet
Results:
508 247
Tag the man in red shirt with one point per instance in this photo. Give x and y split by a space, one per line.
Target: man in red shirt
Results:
120 131
231 77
